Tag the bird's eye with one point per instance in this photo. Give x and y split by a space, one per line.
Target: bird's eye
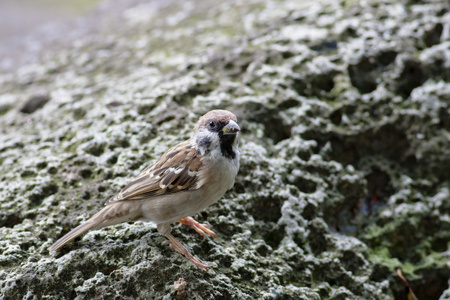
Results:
212 123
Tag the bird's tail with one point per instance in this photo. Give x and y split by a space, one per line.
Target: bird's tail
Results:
74 233
112 214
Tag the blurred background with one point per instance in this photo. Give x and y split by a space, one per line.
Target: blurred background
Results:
18 18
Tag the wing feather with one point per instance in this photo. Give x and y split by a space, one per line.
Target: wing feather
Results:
177 170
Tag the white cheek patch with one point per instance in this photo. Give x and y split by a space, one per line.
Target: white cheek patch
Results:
206 140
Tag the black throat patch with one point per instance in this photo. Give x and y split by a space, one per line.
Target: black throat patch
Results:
226 145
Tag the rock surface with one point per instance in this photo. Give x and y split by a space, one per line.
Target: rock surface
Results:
345 145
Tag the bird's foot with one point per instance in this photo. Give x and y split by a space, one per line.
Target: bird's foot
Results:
201 229
177 246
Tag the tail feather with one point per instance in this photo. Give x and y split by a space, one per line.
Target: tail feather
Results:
79 230
112 214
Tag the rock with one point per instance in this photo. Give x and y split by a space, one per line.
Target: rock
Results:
345 150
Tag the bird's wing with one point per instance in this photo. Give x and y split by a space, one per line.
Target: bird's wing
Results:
177 170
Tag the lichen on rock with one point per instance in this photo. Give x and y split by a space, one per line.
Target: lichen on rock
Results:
345 150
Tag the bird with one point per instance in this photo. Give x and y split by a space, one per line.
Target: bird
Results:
186 179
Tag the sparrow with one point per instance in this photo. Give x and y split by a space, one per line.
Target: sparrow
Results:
183 181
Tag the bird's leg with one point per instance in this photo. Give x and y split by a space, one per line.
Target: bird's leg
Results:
201 229
177 246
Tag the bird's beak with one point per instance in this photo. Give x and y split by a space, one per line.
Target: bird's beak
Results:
231 128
